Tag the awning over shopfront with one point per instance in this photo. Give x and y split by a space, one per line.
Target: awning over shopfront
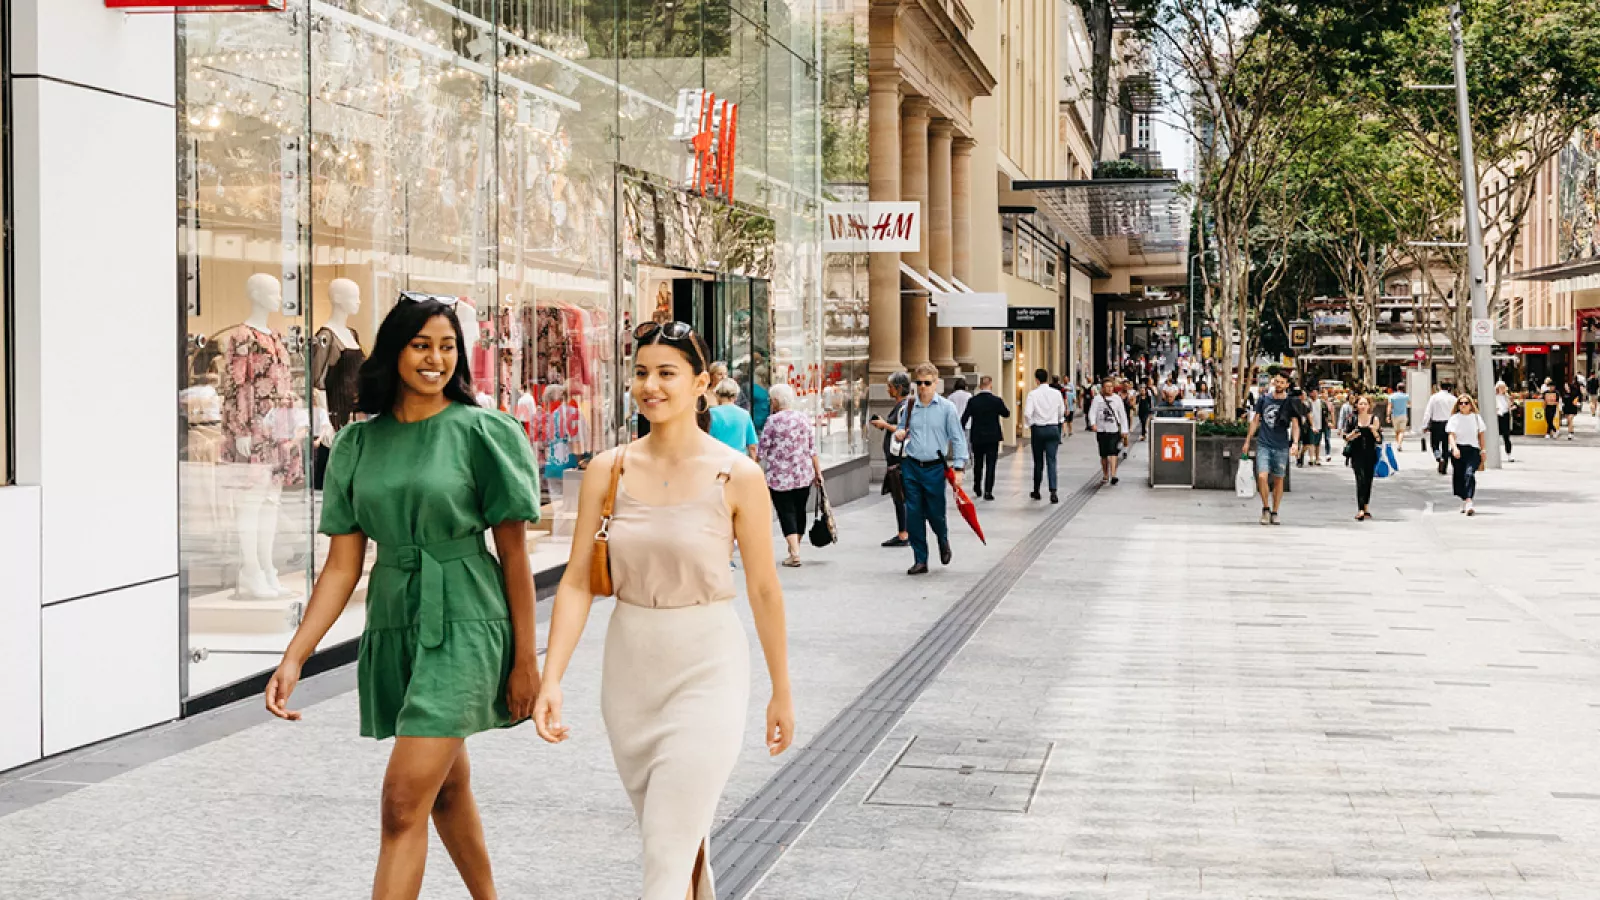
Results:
1565 278
1139 220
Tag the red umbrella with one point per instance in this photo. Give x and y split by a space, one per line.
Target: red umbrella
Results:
964 504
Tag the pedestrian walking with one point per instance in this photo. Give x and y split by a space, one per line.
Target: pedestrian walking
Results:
731 424
676 673
933 443
1502 412
1440 407
1319 417
1108 419
1593 384
1069 395
1400 415
1465 430
448 649
1147 408
959 396
1365 440
1276 432
983 414
1043 413
899 388
1552 409
788 450
1571 402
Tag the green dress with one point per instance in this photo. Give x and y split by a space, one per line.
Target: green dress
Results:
437 649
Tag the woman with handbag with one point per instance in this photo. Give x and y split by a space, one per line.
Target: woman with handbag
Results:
899 387
665 511
1363 441
448 649
788 449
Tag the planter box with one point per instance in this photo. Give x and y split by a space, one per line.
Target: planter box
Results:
1216 459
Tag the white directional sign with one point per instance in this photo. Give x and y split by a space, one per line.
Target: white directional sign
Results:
1483 332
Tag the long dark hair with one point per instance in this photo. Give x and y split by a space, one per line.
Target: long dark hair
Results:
694 349
380 374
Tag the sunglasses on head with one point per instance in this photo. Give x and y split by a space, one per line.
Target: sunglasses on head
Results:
419 297
672 331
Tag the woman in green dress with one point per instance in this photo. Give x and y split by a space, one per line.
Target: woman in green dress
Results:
448 649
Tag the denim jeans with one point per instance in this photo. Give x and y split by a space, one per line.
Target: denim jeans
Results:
1046 441
925 487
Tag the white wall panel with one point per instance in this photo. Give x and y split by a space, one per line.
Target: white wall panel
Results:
110 664
19 626
82 41
96 374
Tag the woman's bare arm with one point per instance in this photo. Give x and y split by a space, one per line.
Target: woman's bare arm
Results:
340 573
752 527
511 545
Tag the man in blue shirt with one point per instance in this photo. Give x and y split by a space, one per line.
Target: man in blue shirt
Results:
933 442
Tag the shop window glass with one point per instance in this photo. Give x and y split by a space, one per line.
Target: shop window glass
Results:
1008 246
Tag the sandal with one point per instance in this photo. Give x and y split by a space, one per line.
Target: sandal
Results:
792 562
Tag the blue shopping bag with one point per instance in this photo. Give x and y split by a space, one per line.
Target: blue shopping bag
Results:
1382 470
1389 457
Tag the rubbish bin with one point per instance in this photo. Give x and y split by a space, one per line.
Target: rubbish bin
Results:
1171 452
1533 423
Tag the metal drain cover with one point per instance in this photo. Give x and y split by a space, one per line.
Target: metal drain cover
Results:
972 773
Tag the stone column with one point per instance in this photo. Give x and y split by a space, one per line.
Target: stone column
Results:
883 180
961 239
914 187
940 346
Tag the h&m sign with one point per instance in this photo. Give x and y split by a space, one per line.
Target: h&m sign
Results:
710 128
876 226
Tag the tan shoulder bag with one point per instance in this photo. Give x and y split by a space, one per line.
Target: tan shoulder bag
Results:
600 561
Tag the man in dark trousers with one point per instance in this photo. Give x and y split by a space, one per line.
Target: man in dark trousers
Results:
983 414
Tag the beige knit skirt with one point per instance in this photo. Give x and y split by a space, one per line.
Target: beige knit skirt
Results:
674 693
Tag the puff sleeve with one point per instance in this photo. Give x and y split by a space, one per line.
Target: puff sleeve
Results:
338 495
504 471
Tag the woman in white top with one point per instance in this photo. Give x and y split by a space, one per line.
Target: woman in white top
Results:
1465 431
1502 411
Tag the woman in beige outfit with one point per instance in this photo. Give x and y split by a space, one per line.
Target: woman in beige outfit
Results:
677 664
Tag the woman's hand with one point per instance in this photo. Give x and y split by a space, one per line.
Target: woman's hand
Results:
780 724
1455 451
522 689
280 686
547 713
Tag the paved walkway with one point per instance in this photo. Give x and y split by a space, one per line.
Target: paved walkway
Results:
1175 702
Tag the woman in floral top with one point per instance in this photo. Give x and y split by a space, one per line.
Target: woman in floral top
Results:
788 449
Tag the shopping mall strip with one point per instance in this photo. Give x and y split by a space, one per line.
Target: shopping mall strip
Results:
1135 693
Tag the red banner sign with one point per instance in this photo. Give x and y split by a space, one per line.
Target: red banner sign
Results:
196 6
710 128
1528 349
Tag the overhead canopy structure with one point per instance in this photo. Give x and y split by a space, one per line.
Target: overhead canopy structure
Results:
1141 222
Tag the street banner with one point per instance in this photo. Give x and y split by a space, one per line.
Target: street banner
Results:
876 226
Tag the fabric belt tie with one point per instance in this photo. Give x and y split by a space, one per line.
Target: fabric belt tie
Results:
427 560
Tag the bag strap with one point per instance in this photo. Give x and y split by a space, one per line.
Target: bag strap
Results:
610 504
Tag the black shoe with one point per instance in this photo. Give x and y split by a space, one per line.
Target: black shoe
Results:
1115 479
918 569
1034 495
1054 497
944 554
988 496
897 541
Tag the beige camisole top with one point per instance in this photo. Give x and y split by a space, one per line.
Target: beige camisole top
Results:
673 555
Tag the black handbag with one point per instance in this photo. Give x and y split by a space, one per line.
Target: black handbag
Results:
894 482
824 530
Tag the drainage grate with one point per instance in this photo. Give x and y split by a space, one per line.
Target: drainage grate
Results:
745 846
983 774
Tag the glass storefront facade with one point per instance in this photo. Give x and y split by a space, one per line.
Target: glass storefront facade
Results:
524 156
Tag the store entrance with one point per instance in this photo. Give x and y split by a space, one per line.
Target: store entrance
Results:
732 313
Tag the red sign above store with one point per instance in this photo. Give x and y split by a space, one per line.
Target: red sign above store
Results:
196 6
710 127
1528 349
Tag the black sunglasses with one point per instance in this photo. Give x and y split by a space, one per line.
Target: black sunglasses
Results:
672 331
926 383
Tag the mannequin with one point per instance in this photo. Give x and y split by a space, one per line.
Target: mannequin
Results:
336 354
477 354
254 378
